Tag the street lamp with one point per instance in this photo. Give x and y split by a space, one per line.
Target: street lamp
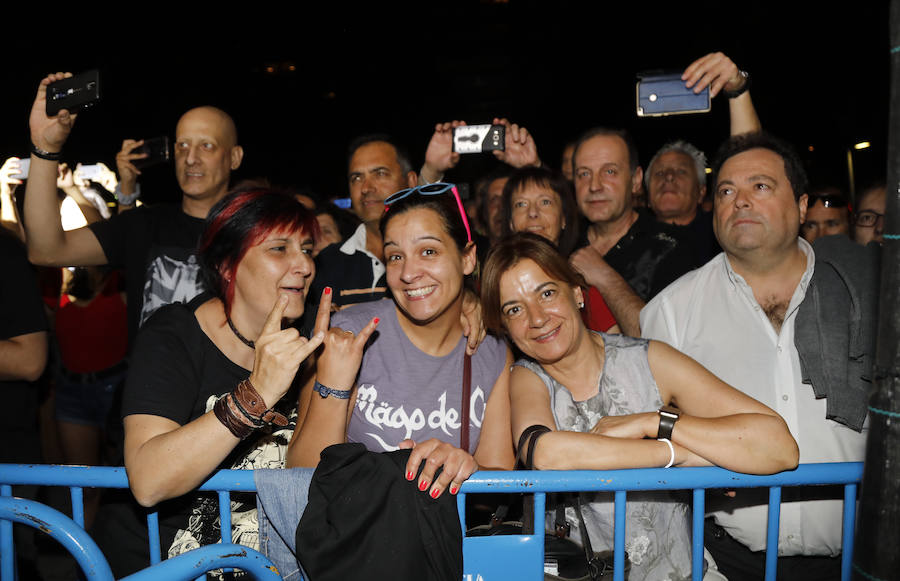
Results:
857 146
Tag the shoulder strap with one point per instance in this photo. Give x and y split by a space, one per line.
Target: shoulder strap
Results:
530 436
466 395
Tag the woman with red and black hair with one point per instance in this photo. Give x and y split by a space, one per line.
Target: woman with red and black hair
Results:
213 382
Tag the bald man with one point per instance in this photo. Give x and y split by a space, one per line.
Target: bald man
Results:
154 244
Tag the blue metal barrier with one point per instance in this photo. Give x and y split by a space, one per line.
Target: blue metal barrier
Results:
491 558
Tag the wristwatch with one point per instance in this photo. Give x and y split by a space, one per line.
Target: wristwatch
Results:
668 415
743 88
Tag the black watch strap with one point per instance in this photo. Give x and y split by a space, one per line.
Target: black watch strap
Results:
744 88
667 418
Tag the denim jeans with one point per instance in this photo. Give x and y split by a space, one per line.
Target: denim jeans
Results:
281 497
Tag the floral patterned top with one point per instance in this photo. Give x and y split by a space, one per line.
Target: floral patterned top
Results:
657 526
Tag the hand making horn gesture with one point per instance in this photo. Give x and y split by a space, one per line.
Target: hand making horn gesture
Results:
279 352
341 356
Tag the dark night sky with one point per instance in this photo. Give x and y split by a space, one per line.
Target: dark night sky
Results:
820 77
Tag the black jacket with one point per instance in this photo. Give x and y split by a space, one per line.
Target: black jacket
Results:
364 520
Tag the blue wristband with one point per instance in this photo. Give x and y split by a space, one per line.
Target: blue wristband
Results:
326 391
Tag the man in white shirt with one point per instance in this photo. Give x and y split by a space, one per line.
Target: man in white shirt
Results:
377 166
736 315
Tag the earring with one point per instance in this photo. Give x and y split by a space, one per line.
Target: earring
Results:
581 305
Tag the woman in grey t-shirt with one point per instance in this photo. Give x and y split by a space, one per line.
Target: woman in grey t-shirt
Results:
408 392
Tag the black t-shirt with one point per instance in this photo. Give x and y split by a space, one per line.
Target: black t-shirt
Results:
21 313
349 275
651 255
178 373
701 229
156 245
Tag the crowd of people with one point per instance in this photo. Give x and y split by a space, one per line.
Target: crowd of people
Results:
642 315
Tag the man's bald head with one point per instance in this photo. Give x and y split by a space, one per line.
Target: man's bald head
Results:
206 152
217 116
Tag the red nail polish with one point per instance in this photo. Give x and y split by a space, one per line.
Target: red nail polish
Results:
376 320
453 490
410 475
327 290
435 493
423 485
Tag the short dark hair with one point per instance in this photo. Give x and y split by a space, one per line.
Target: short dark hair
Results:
556 182
481 191
507 253
239 221
403 159
443 204
623 134
793 166
869 188
347 222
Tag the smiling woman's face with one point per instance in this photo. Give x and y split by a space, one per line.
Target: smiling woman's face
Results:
538 209
425 269
540 313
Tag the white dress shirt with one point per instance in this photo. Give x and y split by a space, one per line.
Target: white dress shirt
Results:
712 315
357 243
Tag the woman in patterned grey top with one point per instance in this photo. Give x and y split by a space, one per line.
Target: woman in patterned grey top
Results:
600 394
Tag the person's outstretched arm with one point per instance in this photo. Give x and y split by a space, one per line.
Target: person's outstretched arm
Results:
48 244
719 73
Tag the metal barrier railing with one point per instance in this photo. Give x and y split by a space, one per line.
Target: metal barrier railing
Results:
484 556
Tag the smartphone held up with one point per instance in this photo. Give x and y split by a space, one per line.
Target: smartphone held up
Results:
479 138
660 94
74 94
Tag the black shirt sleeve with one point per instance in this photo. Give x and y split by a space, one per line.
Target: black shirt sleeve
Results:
163 378
115 234
21 307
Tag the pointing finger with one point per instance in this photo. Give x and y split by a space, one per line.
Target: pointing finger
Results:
273 321
323 315
365 333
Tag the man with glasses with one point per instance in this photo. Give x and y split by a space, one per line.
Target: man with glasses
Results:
827 213
868 221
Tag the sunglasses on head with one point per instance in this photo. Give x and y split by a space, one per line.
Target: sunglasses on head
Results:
829 201
432 190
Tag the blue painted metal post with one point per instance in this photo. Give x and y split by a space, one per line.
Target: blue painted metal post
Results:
153 536
772 532
77 494
619 538
7 547
847 534
699 512
540 509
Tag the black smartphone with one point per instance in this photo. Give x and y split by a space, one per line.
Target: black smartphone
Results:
659 94
157 150
74 94
479 138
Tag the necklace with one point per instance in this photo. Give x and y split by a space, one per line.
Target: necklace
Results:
237 334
